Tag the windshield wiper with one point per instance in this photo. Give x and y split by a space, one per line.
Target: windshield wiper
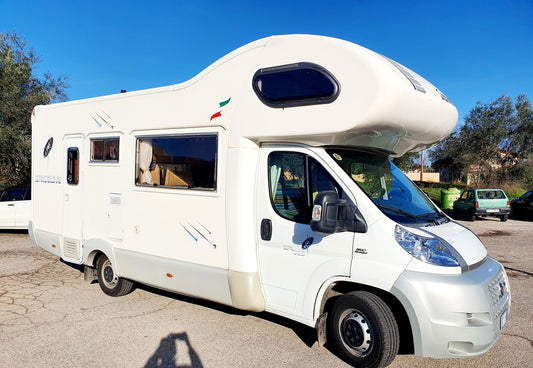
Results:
397 210
429 214
435 217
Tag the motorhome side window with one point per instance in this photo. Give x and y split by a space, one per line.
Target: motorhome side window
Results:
295 180
184 162
72 165
104 149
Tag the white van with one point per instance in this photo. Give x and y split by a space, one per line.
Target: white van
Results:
265 183
15 208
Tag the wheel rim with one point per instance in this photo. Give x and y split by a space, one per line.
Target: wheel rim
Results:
109 277
356 333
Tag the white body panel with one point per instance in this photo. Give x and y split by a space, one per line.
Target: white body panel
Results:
208 242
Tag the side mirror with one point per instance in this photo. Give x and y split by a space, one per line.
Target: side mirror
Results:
326 212
331 215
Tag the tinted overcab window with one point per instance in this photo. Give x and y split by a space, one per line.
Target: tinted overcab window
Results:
295 85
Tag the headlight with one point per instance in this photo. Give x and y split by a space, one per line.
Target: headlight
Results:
429 250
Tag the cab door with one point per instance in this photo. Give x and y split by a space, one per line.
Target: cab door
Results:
294 260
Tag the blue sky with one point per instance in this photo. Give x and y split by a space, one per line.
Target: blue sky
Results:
471 50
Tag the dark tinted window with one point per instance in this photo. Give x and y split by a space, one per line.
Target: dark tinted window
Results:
72 165
15 194
295 85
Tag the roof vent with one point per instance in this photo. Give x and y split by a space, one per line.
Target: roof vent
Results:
442 95
416 84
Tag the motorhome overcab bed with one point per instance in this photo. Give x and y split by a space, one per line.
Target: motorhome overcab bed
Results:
265 183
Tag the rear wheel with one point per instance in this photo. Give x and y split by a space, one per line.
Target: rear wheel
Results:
363 330
108 280
503 218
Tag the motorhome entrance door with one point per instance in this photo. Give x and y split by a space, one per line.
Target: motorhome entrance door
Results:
72 198
294 260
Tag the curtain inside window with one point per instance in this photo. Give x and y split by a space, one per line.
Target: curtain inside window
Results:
145 159
275 174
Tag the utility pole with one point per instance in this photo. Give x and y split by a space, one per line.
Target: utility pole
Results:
421 165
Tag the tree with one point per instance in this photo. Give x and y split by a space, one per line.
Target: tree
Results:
447 156
408 161
494 139
20 91
522 130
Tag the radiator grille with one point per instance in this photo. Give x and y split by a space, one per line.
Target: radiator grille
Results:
499 294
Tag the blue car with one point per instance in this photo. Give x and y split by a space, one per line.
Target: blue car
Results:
523 206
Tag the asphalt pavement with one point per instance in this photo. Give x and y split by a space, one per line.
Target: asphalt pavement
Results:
51 317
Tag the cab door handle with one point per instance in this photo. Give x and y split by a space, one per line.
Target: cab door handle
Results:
266 229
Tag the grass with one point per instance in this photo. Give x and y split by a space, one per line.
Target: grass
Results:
513 191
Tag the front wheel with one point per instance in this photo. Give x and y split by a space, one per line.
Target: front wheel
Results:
108 280
363 330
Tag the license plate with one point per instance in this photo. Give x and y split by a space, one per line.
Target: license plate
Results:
493 210
503 319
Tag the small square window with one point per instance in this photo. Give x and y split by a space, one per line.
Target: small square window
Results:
106 149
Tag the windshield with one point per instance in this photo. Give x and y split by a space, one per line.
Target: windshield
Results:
390 189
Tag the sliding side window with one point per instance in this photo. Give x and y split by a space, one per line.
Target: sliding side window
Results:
104 149
185 162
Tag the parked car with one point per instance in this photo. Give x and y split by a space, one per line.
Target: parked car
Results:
523 206
474 203
15 208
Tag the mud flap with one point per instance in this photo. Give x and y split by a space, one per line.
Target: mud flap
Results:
89 274
321 329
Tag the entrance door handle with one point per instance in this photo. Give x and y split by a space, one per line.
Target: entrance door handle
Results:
266 229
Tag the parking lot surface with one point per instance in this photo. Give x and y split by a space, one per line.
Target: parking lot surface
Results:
51 317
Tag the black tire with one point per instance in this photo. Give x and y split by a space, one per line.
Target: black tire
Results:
363 330
108 280
503 218
471 216
455 214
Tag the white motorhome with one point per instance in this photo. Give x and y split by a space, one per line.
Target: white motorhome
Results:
265 183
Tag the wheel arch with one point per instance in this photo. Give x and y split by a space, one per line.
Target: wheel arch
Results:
95 248
340 288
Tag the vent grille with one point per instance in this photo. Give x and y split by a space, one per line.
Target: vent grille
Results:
498 290
72 249
114 200
416 84
442 95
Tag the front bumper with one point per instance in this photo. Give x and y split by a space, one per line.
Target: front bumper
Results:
455 315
